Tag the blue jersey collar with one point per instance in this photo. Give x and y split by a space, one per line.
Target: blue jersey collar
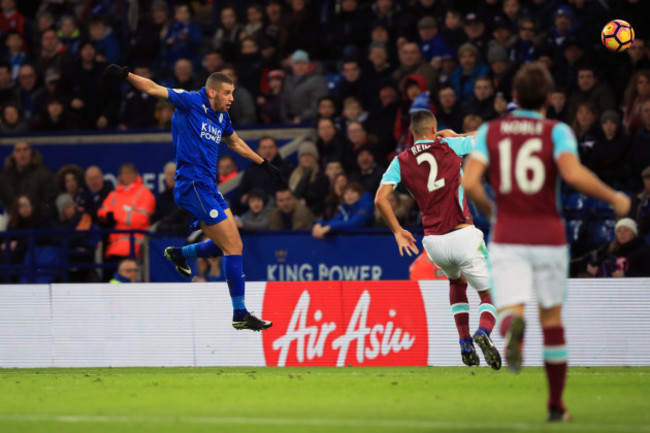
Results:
424 141
527 113
206 101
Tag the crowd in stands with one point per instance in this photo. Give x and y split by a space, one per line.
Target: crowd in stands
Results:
352 69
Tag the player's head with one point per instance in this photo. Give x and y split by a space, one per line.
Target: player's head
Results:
423 124
532 85
219 88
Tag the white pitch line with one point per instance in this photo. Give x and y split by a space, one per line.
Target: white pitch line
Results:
321 422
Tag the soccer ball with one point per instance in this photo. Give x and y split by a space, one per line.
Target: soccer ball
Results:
617 35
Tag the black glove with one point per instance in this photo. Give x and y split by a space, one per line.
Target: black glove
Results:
109 222
116 71
273 171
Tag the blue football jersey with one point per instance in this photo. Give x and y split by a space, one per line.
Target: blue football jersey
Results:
196 133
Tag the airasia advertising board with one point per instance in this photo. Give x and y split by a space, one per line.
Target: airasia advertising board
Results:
341 323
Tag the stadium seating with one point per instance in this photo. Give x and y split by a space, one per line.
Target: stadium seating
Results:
333 81
577 206
46 258
600 233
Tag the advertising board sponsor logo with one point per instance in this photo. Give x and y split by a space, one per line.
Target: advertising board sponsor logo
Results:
345 323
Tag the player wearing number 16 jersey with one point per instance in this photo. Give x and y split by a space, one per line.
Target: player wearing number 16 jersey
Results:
524 155
431 170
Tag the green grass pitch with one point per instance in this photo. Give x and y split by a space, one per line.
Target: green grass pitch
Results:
287 400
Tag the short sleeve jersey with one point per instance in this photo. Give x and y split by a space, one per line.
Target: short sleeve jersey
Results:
520 151
196 133
431 171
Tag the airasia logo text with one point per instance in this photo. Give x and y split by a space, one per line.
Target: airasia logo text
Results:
370 335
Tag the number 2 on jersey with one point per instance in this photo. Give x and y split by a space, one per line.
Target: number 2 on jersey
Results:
432 183
525 162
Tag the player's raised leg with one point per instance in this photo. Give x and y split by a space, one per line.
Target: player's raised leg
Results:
555 361
179 255
475 271
226 235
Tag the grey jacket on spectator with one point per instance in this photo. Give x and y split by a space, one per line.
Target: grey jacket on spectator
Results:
301 95
259 221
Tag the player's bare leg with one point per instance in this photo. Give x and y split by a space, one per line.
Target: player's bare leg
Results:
555 361
512 328
487 318
226 236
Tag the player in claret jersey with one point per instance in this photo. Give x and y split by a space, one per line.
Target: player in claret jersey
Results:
431 170
525 155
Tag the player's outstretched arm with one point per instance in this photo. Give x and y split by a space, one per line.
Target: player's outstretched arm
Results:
450 133
239 146
586 182
142 84
473 185
405 240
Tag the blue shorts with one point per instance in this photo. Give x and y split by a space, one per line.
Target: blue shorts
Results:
203 201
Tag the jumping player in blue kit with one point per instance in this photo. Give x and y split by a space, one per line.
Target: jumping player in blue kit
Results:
199 124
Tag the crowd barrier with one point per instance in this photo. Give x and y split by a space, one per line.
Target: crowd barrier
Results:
366 254
328 323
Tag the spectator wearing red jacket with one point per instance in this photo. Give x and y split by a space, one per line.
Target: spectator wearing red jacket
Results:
130 206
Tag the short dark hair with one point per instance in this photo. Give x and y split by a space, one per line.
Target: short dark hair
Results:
532 84
216 79
268 137
284 188
14 33
420 121
129 166
328 98
354 186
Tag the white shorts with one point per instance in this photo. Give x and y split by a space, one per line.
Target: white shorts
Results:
518 270
461 251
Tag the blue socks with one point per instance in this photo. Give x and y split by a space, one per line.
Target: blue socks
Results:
236 283
234 271
203 249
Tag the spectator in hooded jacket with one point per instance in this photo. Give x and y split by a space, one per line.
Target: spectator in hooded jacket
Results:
357 211
609 155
